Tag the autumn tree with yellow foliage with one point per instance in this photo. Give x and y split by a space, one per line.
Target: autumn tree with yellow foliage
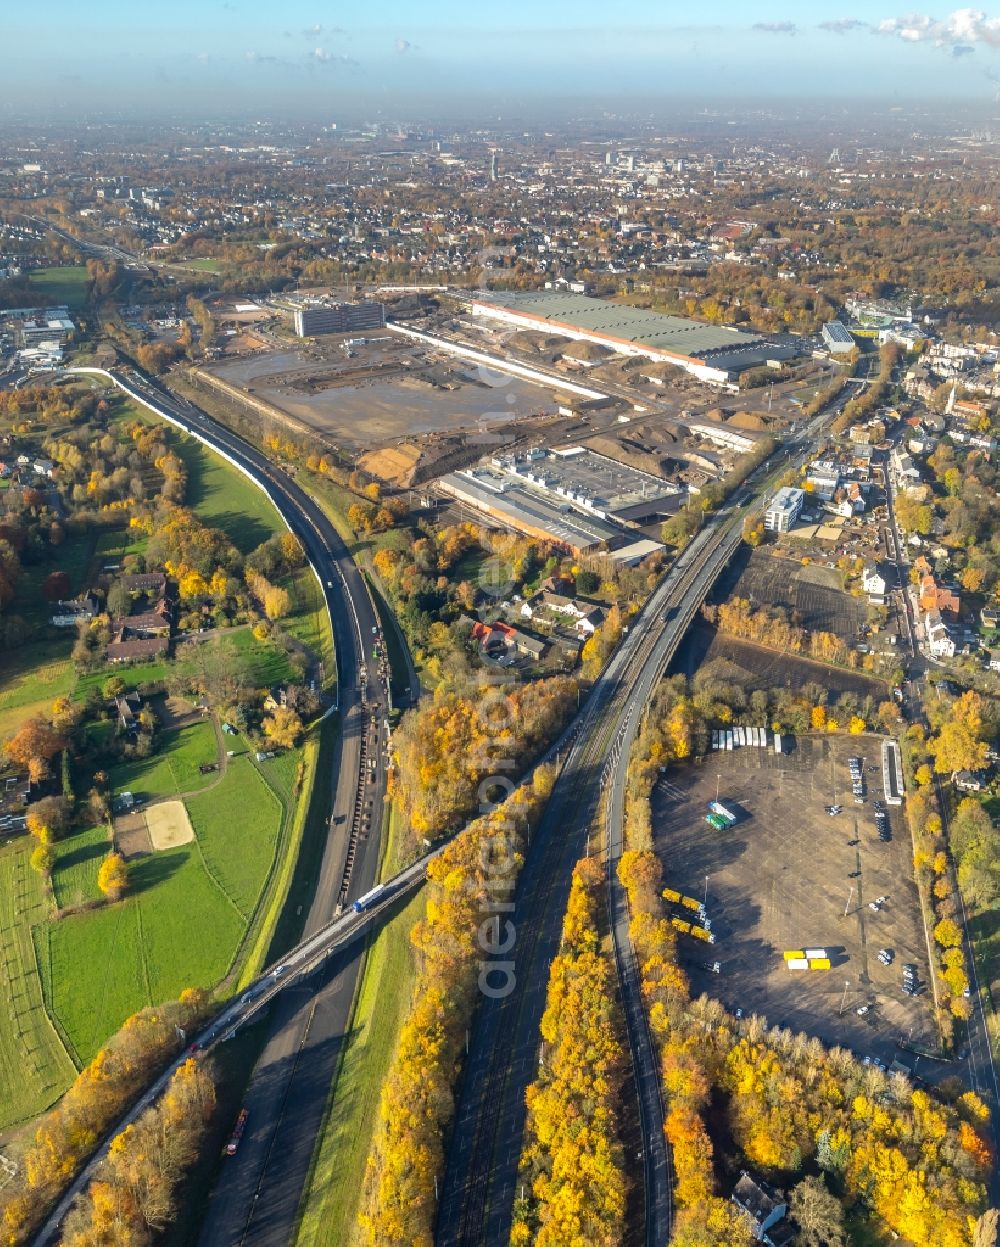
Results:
572 1163
133 1196
69 1133
475 874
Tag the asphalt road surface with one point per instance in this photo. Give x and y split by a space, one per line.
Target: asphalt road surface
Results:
256 1197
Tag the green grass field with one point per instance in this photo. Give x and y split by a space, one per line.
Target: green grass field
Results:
63 285
173 768
188 908
33 675
79 858
34 1066
225 499
31 678
309 622
204 265
176 929
238 852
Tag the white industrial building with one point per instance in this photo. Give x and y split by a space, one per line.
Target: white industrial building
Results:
783 509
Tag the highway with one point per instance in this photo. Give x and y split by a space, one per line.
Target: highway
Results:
302 1038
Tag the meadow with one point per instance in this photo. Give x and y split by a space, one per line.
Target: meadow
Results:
35 1067
63 285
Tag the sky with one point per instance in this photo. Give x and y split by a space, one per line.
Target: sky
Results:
224 57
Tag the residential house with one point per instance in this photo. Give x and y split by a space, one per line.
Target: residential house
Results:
145 582
939 639
904 467
934 597
989 617
155 622
588 624
78 610
126 648
128 707
995 660
529 646
967 781
275 698
763 1206
874 584
493 638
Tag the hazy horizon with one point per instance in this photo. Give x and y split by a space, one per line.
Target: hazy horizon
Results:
238 56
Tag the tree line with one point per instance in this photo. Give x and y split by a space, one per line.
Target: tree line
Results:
572 1159
68 1134
475 873
133 1197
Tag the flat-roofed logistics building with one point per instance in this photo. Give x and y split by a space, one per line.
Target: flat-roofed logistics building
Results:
837 338
713 353
582 500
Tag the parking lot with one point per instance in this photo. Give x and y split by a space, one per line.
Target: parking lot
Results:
787 877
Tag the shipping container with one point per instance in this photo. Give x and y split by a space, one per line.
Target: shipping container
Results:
795 954
820 963
777 742
797 963
729 741
816 952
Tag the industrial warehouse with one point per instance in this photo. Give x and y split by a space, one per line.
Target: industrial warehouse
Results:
574 496
712 353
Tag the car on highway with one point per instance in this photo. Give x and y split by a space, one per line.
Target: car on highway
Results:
278 971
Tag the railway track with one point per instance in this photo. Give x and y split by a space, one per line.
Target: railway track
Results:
479 1187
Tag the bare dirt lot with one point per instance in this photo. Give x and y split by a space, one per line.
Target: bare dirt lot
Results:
763 668
784 876
168 824
383 391
132 836
810 594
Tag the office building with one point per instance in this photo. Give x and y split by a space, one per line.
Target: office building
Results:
338 318
783 510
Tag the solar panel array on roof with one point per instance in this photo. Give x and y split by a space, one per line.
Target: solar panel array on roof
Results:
631 324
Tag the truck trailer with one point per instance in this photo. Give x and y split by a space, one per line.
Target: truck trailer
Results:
723 811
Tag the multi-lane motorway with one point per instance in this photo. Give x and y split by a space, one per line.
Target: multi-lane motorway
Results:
287 1093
